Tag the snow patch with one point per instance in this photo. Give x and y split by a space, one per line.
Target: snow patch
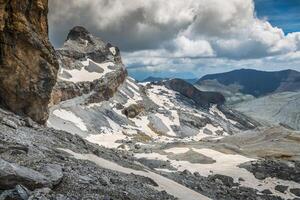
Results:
226 164
108 140
83 75
170 186
113 50
71 117
177 150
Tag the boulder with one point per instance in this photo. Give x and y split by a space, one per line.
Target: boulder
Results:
28 63
53 172
12 175
133 110
225 180
295 191
281 188
18 193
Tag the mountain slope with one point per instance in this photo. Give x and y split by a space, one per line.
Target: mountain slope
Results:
129 110
253 82
204 99
279 108
167 128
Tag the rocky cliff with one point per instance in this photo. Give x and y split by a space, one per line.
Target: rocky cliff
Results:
28 65
204 99
88 65
95 99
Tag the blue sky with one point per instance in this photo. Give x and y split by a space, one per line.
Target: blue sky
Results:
282 13
188 39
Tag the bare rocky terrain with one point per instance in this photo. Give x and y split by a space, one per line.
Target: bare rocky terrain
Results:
279 108
109 137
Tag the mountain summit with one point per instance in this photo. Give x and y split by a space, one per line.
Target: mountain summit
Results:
79 32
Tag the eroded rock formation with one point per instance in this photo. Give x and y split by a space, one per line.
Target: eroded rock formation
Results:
88 65
28 65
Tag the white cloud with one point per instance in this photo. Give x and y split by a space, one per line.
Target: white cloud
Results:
172 33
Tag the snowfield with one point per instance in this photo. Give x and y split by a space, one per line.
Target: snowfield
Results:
71 117
226 164
83 75
171 187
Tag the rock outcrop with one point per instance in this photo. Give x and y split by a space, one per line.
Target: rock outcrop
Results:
86 63
44 171
12 174
203 99
28 65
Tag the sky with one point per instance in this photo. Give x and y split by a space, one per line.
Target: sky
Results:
190 38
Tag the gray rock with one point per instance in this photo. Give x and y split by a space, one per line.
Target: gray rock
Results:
241 179
54 173
281 188
137 146
260 175
85 179
267 191
30 123
40 194
13 174
226 180
295 191
9 123
187 172
208 132
18 193
104 180
197 174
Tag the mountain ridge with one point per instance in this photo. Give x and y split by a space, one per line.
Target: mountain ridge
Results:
109 137
257 83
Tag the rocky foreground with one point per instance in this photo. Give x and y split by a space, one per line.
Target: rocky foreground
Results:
43 163
34 166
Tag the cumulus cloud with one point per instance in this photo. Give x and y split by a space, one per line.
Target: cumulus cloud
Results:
165 32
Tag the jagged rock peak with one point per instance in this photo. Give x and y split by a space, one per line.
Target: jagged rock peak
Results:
28 63
79 32
100 62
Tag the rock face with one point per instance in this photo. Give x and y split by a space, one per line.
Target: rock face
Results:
28 65
12 174
85 65
280 108
203 99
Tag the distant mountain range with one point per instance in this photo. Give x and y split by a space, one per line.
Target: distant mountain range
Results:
271 97
157 79
253 82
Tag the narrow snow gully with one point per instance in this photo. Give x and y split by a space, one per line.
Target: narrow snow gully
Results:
171 187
